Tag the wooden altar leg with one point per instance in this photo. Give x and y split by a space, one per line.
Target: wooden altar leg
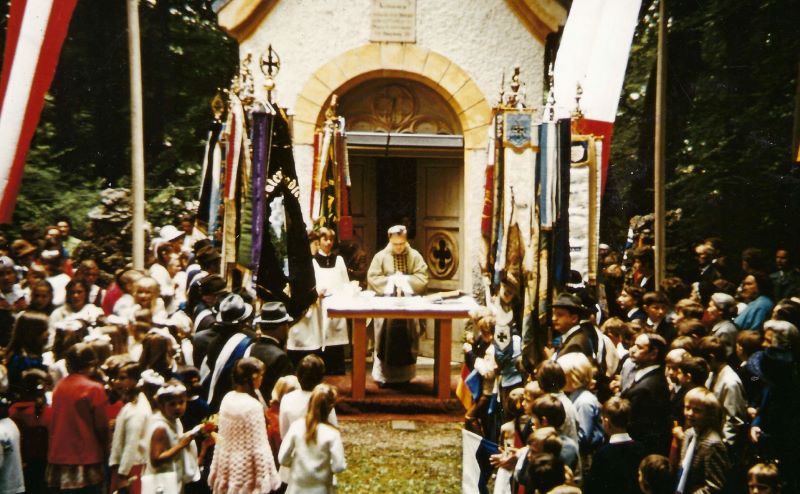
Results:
441 376
359 358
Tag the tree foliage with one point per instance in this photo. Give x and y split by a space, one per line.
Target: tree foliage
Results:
82 144
731 96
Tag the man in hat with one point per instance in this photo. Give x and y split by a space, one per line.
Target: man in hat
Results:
577 334
208 259
23 253
172 236
397 267
212 291
229 345
269 343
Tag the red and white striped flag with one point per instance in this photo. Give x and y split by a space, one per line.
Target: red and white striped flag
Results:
594 53
35 34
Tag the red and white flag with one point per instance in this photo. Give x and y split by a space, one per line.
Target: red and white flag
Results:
594 52
35 34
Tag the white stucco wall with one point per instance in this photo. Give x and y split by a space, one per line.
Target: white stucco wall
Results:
482 37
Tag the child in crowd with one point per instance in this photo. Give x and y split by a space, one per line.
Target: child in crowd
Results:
243 461
33 415
126 281
127 445
579 384
170 449
762 478
676 392
614 466
313 447
147 295
283 386
479 359
79 433
655 476
11 474
548 411
704 458
196 407
26 347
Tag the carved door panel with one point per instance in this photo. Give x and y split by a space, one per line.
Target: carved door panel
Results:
362 201
439 206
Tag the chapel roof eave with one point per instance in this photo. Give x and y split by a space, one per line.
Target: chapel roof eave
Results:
240 18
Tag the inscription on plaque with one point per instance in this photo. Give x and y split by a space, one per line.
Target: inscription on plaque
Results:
394 20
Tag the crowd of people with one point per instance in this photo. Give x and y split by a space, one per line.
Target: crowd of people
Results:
164 380
688 386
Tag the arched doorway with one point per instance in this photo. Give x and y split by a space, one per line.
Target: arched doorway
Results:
406 163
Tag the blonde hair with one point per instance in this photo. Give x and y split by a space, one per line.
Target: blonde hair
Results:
710 405
322 400
767 474
151 285
577 369
284 386
486 324
326 233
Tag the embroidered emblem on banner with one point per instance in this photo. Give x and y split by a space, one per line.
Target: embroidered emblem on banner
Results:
517 128
580 150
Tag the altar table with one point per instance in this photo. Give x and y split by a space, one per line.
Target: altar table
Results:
360 308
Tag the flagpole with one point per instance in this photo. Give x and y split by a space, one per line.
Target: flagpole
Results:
137 134
660 140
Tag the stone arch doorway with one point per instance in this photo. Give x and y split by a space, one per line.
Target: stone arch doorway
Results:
406 162
433 70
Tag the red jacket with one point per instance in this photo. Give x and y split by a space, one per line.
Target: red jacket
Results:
79 429
33 429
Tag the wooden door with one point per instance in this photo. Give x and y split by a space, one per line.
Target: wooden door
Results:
439 206
362 201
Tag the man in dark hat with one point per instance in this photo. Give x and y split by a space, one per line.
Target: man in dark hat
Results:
269 344
229 345
576 336
208 260
212 290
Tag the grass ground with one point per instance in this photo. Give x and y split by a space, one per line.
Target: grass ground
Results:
384 460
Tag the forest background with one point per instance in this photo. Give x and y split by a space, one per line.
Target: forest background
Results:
732 103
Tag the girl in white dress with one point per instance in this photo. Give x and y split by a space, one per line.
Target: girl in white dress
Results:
169 448
313 447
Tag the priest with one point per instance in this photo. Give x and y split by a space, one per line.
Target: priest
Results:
396 270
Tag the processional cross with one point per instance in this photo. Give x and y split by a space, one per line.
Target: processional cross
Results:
270 66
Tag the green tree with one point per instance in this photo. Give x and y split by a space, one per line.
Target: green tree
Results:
730 101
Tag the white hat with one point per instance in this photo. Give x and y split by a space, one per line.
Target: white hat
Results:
170 233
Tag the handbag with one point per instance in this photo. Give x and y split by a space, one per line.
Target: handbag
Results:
160 483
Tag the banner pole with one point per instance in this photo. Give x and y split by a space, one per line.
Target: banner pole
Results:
137 134
660 143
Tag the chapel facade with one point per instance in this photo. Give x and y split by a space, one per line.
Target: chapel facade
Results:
416 81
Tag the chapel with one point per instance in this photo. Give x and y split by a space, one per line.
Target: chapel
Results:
415 81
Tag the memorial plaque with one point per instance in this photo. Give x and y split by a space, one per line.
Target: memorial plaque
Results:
394 20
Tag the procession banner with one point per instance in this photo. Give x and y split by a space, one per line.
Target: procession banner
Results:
208 207
34 36
584 204
593 52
